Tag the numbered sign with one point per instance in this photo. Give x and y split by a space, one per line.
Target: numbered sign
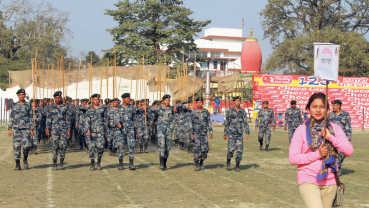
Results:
326 61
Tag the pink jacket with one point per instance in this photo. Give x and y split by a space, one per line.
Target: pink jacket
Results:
309 162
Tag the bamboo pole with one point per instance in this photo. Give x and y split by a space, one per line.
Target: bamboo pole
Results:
33 86
178 86
101 82
193 84
57 68
39 81
43 78
158 80
53 74
90 80
145 88
186 89
114 74
107 79
66 92
120 80
130 90
165 78
77 82
63 77
136 94
48 80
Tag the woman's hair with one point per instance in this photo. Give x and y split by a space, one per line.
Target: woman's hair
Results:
315 96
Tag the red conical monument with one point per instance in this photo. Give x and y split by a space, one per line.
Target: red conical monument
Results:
251 56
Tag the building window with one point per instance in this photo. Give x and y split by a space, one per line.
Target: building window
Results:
215 54
215 65
222 66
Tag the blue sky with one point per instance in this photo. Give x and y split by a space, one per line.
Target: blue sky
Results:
89 24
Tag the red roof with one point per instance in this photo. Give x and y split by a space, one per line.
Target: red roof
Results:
223 37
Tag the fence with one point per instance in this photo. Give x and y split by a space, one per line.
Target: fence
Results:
4 111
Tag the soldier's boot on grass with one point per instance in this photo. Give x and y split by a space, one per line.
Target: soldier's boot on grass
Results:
110 152
145 148
131 165
261 146
161 163
120 164
176 142
165 163
25 162
99 164
17 165
267 148
55 166
35 150
141 148
92 164
182 146
115 154
202 165
237 168
228 164
188 149
61 165
198 167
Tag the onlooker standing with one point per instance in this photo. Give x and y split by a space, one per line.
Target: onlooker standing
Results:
342 118
316 161
217 105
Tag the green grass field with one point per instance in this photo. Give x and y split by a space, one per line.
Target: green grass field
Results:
266 178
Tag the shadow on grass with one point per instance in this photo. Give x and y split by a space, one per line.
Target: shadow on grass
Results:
42 166
180 165
78 166
347 171
245 167
274 149
213 166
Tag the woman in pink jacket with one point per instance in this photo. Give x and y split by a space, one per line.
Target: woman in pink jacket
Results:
317 162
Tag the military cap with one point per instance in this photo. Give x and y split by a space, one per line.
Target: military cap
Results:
237 97
155 102
95 96
165 97
107 101
21 91
31 101
124 95
37 100
89 102
115 99
337 102
199 99
265 102
178 101
57 93
293 102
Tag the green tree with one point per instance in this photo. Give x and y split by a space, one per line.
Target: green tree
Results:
95 58
145 26
293 27
13 64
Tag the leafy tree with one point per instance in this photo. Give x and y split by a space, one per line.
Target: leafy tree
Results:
293 27
95 58
13 64
146 26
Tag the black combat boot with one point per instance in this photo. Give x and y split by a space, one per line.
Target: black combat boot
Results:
99 164
261 145
25 162
228 164
266 148
120 164
176 141
111 151
202 165
198 168
35 150
115 154
141 148
80 145
188 149
183 146
30 151
92 164
161 163
145 148
17 165
61 165
165 163
55 166
237 168
131 165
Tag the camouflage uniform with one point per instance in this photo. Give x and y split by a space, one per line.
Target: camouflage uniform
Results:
21 120
126 119
265 117
38 134
188 126
113 132
164 118
234 124
201 123
97 126
72 117
58 123
142 129
81 123
294 119
344 121
43 135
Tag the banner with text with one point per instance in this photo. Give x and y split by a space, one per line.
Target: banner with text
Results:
279 90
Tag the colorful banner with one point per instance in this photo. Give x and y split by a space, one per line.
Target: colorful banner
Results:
279 90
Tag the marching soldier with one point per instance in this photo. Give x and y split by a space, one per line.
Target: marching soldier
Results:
38 125
201 123
96 130
342 118
164 118
293 118
180 131
81 124
58 126
142 126
22 121
126 124
188 127
235 122
266 118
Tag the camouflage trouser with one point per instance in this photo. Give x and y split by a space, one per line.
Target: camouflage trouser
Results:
21 140
235 142
187 136
36 137
265 131
201 148
127 136
181 134
81 136
164 140
96 142
291 131
59 143
341 157
143 135
110 139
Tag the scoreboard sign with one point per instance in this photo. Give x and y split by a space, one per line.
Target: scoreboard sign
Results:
279 90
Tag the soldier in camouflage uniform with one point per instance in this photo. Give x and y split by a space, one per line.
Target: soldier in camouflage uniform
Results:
22 121
81 124
342 118
235 122
72 117
201 123
265 117
96 130
109 139
176 129
126 123
152 127
293 118
58 126
179 126
188 127
164 118
142 126
38 125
